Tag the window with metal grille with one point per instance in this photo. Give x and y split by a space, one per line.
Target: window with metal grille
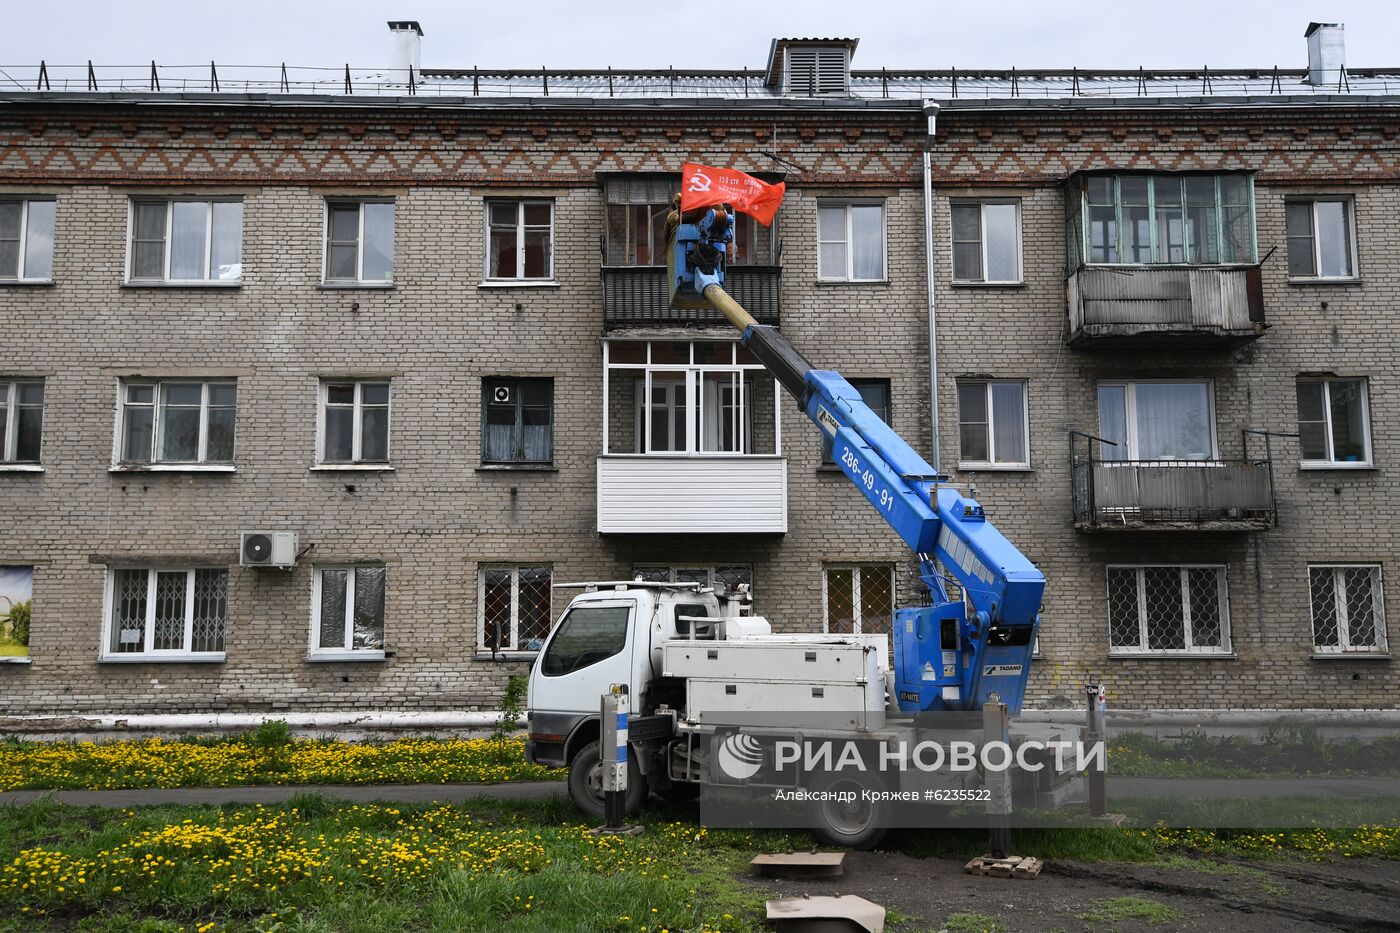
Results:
517 421
858 598
21 420
348 611
160 613
514 609
1348 613
1334 427
26 239
1168 610
720 576
814 70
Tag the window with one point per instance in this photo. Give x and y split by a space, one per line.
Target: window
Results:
987 242
993 430
520 240
354 422
16 613
858 599
514 608
721 576
587 635
694 398
1158 420
518 423
876 394
347 611
1157 219
638 204
159 612
1168 610
851 242
179 240
360 242
176 421
1334 423
26 240
1347 611
1321 241
21 420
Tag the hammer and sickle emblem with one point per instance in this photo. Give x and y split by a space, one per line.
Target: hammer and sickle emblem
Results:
700 182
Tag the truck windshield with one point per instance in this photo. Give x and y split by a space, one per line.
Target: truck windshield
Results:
586 635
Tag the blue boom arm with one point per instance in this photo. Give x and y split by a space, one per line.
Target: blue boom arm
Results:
954 653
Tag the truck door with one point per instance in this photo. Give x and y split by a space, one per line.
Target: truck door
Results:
590 649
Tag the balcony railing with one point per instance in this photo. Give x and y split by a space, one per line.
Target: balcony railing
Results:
1146 495
637 296
711 494
1197 306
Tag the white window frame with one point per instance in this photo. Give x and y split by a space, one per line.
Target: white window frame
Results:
1226 648
849 239
513 647
1349 210
520 204
208 278
157 394
357 426
1344 648
1330 464
1130 446
9 438
981 204
992 463
346 651
856 573
19 277
147 653
359 281
694 374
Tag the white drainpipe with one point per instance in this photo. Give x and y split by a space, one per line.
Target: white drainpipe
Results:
931 112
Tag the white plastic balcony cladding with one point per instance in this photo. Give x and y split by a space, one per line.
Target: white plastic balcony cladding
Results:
649 494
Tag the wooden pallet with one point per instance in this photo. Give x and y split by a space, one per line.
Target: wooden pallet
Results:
1013 866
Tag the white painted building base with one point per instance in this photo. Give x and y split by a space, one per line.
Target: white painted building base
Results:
341 725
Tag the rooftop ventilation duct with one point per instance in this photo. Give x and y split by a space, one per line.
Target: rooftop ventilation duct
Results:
405 49
1326 53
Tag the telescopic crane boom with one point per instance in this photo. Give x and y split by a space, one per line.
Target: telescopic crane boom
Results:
977 636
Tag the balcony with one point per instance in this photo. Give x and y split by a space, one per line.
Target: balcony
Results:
1168 495
651 494
1202 307
637 296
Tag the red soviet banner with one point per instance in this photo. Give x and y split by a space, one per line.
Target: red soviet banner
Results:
707 186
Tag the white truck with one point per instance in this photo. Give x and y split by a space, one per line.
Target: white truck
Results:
694 666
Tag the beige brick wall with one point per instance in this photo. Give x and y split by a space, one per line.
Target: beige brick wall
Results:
436 518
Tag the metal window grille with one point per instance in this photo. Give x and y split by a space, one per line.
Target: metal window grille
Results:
859 599
1347 608
160 611
1169 610
516 608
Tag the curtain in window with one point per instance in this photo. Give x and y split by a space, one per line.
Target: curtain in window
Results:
1173 421
867 241
535 442
500 441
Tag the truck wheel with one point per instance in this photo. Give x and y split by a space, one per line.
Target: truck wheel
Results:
853 824
586 782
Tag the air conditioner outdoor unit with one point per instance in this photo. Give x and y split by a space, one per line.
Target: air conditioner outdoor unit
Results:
268 549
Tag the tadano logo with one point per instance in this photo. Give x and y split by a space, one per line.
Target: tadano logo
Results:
740 756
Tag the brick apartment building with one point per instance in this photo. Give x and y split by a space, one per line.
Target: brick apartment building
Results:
417 319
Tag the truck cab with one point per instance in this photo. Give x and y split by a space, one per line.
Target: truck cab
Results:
613 633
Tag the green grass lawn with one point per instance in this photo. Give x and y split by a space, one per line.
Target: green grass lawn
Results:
314 864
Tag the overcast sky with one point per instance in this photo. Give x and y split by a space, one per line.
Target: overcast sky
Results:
691 34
